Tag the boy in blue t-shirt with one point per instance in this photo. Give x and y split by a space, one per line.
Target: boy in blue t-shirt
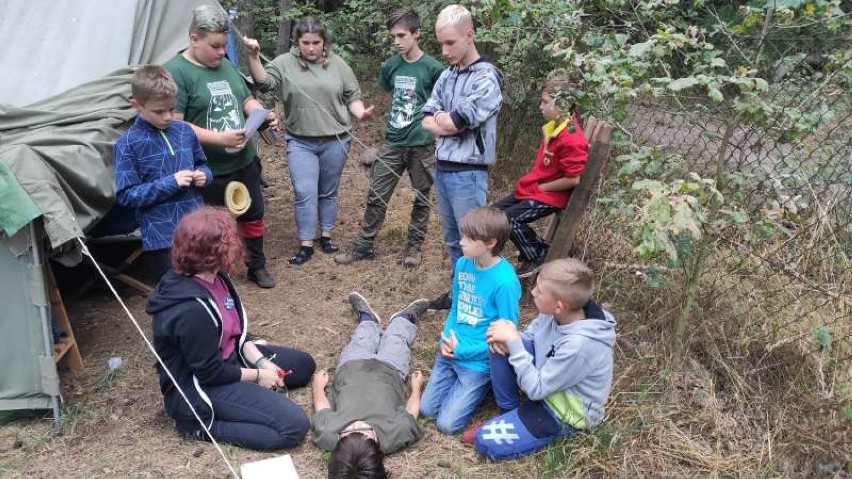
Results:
159 166
485 289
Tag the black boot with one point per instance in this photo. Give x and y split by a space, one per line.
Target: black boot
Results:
256 262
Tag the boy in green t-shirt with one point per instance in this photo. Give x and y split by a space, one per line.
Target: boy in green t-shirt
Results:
410 76
214 99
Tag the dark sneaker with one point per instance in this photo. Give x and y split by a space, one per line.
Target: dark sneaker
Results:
528 269
413 257
362 308
328 245
441 303
413 311
353 256
261 277
302 256
196 435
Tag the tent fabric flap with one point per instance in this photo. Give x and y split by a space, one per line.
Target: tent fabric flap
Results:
16 207
27 380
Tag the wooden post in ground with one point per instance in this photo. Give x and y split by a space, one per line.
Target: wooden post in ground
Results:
564 227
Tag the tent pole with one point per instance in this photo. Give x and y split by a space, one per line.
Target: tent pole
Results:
46 327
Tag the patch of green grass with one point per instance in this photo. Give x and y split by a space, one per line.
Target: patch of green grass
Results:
397 235
31 441
108 380
556 460
71 416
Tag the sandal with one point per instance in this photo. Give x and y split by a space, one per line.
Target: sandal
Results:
327 245
302 256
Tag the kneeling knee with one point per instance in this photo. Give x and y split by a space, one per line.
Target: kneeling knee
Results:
448 425
293 432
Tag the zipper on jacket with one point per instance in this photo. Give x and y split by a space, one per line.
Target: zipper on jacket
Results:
166 140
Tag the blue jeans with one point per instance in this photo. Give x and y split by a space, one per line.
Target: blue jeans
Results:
248 415
458 192
315 168
452 395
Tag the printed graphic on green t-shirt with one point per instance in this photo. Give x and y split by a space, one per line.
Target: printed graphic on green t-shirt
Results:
213 98
404 106
223 112
410 85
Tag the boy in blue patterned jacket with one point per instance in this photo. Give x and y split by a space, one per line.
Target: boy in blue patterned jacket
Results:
159 166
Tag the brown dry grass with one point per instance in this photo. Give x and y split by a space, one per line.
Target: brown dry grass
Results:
718 414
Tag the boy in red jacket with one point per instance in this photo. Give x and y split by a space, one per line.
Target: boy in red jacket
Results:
560 161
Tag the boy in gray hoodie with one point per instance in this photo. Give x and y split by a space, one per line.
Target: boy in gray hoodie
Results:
462 115
563 362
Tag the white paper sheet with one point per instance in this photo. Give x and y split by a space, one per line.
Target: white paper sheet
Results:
280 467
255 119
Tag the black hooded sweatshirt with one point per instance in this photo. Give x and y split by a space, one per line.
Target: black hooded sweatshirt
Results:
187 330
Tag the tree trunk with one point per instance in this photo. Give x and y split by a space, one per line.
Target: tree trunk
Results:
284 29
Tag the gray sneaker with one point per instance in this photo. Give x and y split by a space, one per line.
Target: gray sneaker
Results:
413 311
353 256
362 306
413 257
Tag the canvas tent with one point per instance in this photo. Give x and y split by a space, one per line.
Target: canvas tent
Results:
64 97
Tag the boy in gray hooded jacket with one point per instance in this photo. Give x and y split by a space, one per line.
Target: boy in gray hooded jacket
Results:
462 114
563 362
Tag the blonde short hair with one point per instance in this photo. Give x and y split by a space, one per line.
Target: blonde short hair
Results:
208 19
455 15
152 82
569 280
487 223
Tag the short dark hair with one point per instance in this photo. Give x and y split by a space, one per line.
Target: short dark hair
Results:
485 224
357 456
404 17
152 82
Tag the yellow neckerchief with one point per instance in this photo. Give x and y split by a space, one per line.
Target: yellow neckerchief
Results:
551 129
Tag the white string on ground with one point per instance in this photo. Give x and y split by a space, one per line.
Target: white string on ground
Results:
354 137
159 359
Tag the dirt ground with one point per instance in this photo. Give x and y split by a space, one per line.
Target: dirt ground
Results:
114 424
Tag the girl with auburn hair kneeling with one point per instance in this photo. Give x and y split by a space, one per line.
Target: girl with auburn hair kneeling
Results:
200 331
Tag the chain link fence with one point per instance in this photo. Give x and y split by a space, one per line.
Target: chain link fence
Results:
774 271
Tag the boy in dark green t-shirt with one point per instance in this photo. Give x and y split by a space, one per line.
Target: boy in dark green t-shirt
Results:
410 76
214 99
